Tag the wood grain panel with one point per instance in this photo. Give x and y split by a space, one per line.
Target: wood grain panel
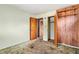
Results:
33 28
77 29
56 36
68 25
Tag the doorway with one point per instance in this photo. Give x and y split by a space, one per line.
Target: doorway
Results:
51 28
40 28
36 28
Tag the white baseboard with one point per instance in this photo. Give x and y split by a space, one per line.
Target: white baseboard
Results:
68 45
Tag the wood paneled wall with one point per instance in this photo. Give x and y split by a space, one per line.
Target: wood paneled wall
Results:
68 25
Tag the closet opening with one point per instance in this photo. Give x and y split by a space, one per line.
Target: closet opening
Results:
51 28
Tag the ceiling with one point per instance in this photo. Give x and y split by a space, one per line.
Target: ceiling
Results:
39 8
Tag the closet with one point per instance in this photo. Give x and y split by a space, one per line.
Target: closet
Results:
68 25
51 28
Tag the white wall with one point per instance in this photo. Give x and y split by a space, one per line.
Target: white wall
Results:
45 28
14 26
47 14
45 21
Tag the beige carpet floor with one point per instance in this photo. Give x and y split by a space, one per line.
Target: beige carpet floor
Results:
38 47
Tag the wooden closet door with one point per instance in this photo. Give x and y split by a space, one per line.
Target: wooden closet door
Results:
78 31
68 26
70 30
61 25
33 28
77 26
62 30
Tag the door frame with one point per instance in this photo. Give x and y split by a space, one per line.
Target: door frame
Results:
55 30
49 27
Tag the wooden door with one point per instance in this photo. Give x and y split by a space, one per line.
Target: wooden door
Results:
33 28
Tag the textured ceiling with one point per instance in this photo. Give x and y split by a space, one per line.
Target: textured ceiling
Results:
39 8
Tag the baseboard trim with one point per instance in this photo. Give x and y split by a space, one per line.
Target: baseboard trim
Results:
68 45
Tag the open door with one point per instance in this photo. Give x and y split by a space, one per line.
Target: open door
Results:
33 28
